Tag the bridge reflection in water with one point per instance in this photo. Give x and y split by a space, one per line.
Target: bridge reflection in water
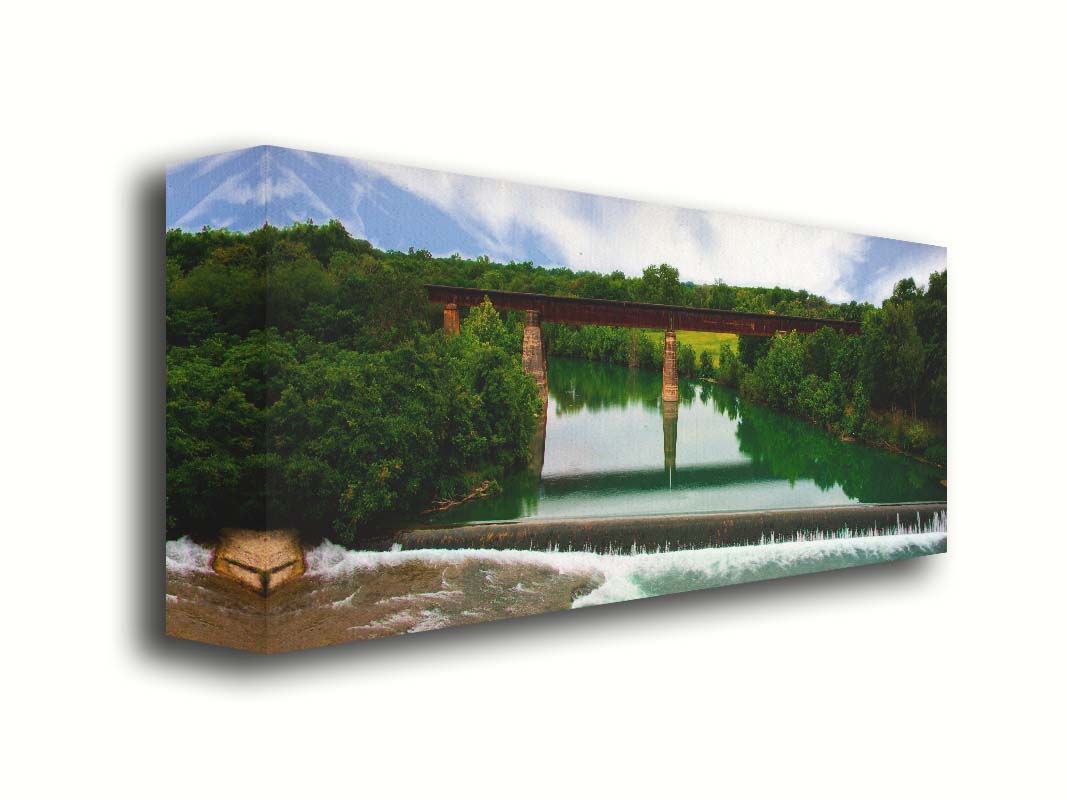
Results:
613 447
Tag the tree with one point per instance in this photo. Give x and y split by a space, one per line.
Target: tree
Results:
751 349
659 284
731 369
721 296
938 287
893 356
485 325
931 321
707 367
905 291
687 360
294 281
820 349
775 379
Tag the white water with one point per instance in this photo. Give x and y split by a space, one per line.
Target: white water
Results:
633 575
185 556
361 594
629 576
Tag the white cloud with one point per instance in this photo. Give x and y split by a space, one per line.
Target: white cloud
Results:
587 231
288 185
919 267
240 189
603 233
757 252
306 157
232 190
214 162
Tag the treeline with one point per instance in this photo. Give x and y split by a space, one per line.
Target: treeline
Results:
309 386
657 284
624 346
886 387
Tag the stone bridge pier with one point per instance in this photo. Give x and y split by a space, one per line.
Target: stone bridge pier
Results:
670 367
533 355
451 319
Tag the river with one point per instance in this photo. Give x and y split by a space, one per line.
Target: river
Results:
611 448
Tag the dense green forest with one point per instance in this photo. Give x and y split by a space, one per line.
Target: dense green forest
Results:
886 387
309 384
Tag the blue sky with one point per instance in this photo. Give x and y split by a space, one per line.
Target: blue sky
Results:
397 207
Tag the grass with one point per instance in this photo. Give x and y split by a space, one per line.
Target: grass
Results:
700 340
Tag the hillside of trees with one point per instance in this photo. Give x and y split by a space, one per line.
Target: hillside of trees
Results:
308 387
309 384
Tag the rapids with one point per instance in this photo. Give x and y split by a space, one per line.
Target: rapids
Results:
350 594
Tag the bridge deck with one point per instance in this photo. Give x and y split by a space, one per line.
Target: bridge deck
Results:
619 313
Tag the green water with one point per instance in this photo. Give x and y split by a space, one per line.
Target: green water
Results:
612 448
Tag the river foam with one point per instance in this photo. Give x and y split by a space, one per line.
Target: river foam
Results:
650 575
357 594
633 574
185 556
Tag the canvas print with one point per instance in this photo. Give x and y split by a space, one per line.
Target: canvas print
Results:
400 400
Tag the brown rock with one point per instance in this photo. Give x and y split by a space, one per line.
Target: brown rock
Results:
261 560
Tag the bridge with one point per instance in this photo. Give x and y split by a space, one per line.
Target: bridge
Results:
619 313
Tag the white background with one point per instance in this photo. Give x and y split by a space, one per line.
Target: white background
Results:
942 677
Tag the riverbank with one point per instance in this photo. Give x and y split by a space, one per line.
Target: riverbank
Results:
486 488
893 431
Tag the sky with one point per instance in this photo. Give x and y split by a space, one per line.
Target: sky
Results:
396 207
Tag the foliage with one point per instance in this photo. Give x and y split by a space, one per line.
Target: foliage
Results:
706 368
861 386
659 284
599 343
731 369
686 360
305 389
894 358
485 325
751 349
775 378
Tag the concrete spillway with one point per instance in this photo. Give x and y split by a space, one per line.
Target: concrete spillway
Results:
684 531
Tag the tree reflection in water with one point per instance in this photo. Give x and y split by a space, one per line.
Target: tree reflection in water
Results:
720 454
